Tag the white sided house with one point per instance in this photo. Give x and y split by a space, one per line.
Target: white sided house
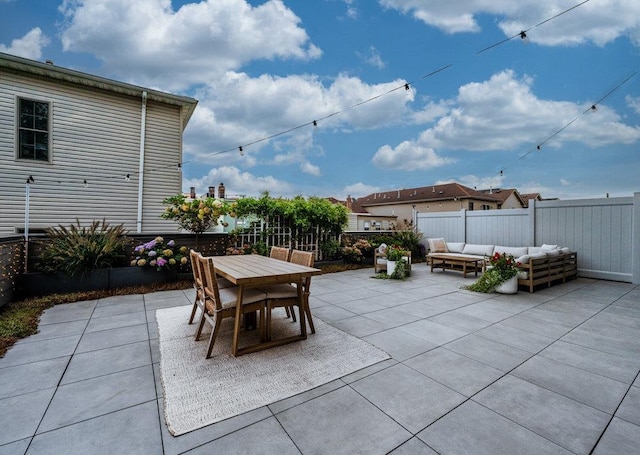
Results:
85 147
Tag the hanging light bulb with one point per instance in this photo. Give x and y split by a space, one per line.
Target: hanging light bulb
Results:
30 179
501 173
86 184
127 178
538 147
315 124
524 37
241 151
593 108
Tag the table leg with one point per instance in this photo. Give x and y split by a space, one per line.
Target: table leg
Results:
236 323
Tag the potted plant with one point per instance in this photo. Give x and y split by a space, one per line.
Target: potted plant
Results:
395 253
501 275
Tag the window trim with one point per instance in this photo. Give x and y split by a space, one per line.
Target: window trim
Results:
18 129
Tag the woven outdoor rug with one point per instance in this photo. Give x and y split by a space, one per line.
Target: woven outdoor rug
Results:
199 391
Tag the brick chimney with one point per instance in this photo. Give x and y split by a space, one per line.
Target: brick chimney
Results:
212 191
349 202
192 192
221 191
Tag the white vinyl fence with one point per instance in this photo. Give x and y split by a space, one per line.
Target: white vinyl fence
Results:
604 232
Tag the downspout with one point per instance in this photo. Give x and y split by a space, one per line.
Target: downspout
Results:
143 127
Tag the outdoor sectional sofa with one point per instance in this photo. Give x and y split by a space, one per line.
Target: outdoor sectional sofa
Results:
543 265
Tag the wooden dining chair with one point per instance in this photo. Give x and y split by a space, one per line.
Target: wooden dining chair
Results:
220 303
278 252
286 295
282 254
198 301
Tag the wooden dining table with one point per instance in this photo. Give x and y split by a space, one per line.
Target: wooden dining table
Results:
252 270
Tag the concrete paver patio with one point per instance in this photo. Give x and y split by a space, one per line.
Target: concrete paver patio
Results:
554 372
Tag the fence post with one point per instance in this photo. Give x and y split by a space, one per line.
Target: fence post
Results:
531 212
635 240
463 221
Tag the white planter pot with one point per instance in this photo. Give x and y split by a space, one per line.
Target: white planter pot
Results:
391 267
508 287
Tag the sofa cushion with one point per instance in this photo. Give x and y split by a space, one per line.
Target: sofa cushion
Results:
513 251
565 250
455 247
438 245
382 249
478 250
549 247
535 249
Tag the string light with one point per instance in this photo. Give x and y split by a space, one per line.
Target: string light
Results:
407 87
86 184
30 179
592 108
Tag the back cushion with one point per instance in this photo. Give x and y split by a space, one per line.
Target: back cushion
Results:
438 245
478 250
516 252
455 247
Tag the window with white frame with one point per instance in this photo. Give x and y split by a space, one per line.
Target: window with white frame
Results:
33 129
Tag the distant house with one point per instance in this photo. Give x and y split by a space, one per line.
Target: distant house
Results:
403 204
93 148
361 220
508 198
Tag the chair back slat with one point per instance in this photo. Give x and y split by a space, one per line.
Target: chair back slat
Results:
195 268
278 252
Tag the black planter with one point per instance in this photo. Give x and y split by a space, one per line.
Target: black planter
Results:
34 284
134 276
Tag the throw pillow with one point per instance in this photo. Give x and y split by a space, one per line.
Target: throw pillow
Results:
438 245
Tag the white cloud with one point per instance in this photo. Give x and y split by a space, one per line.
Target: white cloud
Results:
599 21
29 46
359 189
409 156
238 109
633 103
372 57
148 41
310 169
503 113
237 182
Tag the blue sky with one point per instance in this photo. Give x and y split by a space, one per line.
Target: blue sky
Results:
259 68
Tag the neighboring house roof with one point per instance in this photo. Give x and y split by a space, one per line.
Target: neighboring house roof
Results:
502 194
527 196
432 193
51 71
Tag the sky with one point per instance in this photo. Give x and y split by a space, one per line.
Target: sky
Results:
405 93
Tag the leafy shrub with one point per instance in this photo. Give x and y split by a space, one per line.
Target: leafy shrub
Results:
330 250
352 255
78 249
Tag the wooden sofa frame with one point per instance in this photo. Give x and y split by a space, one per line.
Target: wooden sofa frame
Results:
549 269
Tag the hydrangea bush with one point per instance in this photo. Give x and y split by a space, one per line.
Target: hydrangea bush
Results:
159 254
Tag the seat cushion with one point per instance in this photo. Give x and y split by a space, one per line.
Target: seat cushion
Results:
229 296
280 291
513 251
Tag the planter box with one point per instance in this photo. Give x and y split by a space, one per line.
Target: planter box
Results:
134 276
34 284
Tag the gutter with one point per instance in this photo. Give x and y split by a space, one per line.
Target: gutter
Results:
143 128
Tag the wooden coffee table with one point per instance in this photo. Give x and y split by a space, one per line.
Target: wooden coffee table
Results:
450 262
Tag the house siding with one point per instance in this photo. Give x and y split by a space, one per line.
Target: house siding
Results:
95 136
